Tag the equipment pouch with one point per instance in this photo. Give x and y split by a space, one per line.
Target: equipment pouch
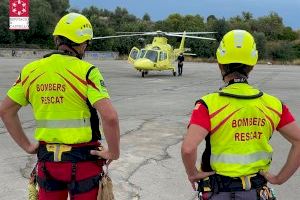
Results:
105 191
266 193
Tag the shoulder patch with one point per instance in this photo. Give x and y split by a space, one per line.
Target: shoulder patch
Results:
102 83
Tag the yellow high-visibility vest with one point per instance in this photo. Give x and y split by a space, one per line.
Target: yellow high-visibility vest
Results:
56 87
242 122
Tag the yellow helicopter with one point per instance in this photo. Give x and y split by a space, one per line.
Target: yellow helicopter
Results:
159 55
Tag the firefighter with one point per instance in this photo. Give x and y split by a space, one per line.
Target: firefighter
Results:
65 94
237 123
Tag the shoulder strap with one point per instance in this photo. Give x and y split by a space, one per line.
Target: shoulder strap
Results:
241 96
88 72
55 52
96 134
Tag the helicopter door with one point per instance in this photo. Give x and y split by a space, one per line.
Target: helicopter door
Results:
133 55
163 62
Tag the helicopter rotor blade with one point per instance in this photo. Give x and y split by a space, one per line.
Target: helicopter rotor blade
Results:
190 36
190 33
129 32
162 32
119 36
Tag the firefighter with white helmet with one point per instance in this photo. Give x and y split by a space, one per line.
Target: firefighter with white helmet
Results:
65 93
237 123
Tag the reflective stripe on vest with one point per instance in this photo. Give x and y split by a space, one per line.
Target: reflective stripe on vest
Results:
240 159
241 129
75 123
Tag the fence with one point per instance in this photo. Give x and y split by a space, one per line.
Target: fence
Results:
39 53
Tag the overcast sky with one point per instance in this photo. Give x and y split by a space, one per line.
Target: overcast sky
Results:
289 10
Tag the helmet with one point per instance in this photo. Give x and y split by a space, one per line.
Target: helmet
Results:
237 46
75 27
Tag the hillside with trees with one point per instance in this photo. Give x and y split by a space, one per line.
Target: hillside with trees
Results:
275 41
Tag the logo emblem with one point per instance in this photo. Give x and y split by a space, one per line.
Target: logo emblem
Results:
102 83
19 7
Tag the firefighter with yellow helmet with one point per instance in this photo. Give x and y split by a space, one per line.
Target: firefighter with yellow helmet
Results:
65 93
237 123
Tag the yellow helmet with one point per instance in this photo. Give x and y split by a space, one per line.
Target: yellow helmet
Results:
237 46
75 27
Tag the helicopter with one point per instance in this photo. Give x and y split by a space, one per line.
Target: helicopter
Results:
159 55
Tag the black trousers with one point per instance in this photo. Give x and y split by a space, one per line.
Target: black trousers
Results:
180 69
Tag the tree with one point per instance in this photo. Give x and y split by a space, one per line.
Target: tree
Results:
260 40
146 17
6 36
247 16
288 34
282 51
211 18
59 7
271 25
220 26
100 21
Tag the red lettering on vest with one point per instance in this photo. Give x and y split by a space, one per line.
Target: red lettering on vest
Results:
242 137
51 87
253 121
52 100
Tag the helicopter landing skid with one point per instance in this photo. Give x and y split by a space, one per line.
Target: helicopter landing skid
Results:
174 73
144 73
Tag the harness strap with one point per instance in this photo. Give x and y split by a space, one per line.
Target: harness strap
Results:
75 187
218 183
85 185
65 153
49 183
73 181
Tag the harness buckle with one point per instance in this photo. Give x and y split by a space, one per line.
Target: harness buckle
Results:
58 150
246 181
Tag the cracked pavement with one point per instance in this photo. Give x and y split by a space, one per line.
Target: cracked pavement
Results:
154 112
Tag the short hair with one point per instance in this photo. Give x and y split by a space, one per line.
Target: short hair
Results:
65 41
236 67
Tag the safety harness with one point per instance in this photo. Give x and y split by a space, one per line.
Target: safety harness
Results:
68 153
75 187
217 183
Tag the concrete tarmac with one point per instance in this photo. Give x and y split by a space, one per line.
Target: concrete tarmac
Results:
154 112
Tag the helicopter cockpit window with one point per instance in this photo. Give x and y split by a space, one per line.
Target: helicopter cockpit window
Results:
142 53
151 55
162 56
134 53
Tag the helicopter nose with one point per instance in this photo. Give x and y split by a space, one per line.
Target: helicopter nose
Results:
143 64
